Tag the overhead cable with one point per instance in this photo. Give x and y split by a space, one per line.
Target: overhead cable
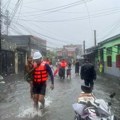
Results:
27 28
55 9
18 32
71 19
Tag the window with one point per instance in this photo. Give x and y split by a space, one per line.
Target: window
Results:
118 60
118 49
109 61
109 51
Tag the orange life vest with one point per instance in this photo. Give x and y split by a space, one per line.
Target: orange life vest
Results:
63 64
40 74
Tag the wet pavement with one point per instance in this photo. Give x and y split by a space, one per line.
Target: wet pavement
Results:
16 104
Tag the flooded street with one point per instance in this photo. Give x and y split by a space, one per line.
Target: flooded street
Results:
16 104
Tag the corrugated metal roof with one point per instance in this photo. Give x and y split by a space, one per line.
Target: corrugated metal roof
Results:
109 39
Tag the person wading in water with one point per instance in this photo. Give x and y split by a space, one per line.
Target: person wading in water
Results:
40 77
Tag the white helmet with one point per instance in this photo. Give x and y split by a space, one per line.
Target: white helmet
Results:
37 55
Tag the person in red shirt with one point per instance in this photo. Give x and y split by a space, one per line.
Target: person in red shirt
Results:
63 65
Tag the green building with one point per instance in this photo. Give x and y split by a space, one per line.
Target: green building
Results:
108 55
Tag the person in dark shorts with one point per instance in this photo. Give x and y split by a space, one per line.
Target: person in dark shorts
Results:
39 88
40 76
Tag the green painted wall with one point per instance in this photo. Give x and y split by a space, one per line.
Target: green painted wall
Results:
114 49
103 46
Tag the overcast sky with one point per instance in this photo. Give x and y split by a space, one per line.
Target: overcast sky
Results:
63 22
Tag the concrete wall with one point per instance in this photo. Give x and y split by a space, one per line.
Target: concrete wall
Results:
112 70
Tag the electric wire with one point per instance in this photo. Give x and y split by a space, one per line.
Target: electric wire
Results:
112 28
6 5
55 9
49 32
22 34
99 12
31 2
15 10
90 24
26 28
19 12
64 6
72 19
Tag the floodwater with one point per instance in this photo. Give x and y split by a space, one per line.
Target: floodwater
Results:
16 104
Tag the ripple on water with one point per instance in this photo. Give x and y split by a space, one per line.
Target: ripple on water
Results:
31 112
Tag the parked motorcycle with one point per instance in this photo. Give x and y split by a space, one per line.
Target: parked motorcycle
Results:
88 107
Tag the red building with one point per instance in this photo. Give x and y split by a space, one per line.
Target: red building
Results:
69 51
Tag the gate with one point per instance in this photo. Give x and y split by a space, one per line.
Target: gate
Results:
8 62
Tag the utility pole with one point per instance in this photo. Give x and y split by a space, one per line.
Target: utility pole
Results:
94 37
29 46
84 47
0 39
7 21
0 25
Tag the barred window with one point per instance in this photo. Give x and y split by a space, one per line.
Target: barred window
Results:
118 60
118 49
109 61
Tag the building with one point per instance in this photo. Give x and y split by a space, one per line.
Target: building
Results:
59 52
15 50
28 42
7 57
91 53
109 55
106 56
70 51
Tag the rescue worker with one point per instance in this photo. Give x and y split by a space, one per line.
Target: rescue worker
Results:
40 77
88 73
63 65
